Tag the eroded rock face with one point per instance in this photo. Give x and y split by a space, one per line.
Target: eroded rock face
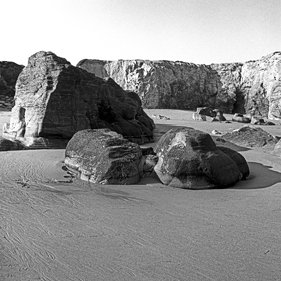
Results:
103 156
55 100
162 84
9 72
261 85
189 158
251 87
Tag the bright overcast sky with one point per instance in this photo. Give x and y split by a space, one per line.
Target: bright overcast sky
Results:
198 31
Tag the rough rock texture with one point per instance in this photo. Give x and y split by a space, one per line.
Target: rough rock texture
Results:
229 98
55 99
189 158
103 156
239 160
9 72
254 86
261 86
162 84
251 136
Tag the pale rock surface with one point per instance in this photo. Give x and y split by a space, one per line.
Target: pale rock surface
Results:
103 156
250 87
55 100
162 84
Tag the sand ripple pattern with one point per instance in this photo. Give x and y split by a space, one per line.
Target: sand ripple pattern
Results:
56 229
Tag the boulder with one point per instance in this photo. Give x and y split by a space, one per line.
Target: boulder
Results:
207 111
103 156
6 144
241 118
239 160
257 121
189 158
55 100
251 136
198 117
219 115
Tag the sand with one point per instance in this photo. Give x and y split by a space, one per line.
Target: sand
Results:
53 227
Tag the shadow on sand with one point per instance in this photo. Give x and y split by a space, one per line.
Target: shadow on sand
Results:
261 176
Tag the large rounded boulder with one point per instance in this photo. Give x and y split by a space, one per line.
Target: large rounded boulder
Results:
103 156
190 159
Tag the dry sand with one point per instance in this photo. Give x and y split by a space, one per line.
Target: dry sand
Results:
54 228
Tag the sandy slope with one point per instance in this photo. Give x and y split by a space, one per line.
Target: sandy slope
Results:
54 229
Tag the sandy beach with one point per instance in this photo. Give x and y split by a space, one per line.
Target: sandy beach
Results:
56 228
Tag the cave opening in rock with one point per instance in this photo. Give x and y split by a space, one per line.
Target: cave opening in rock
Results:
239 104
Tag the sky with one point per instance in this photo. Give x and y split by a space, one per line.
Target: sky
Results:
197 31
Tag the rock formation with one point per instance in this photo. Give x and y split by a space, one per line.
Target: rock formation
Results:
105 157
55 100
251 136
190 159
9 72
162 84
252 87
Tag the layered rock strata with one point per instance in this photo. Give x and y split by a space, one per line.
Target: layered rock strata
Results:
55 100
105 157
251 87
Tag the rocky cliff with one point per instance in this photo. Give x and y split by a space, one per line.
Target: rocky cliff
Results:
55 99
9 72
254 86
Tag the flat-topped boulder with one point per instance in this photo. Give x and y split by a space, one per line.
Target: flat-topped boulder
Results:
55 100
190 159
103 156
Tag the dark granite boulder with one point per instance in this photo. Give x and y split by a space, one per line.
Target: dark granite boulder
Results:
103 156
239 160
189 158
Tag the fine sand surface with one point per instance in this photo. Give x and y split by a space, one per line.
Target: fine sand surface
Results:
55 228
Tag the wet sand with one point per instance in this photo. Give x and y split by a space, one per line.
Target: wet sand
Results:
55 228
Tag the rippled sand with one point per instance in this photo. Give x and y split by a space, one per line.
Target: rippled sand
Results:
55 228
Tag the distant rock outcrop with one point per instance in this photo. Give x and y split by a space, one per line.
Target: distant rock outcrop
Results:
252 87
9 72
162 84
55 100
